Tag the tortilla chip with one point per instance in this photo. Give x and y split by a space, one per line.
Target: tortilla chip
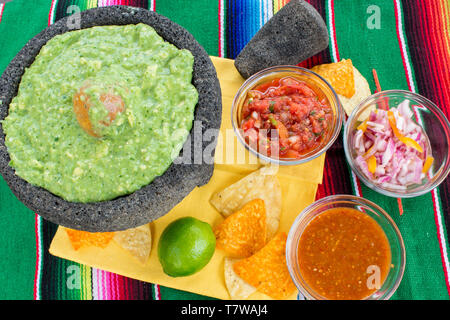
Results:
267 271
362 91
339 75
137 241
80 239
244 232
237 288
351 87
261 184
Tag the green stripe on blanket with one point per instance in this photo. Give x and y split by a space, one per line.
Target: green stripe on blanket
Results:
21 21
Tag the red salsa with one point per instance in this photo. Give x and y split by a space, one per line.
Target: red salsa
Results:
285 115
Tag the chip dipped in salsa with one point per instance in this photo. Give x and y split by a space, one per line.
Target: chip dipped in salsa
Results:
286 115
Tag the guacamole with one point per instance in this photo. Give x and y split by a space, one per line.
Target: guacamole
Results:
101 112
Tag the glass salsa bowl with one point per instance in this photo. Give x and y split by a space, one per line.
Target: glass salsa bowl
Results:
320 86
428 116
395 240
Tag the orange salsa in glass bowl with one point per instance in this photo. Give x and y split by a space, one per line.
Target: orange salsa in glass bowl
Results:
344 247
336 251
286 115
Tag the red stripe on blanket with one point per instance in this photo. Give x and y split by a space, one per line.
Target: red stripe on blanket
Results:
432 74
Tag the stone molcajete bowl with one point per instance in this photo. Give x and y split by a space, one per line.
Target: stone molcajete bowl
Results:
151 201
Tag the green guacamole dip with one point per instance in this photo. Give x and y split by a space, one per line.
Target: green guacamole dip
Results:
131 70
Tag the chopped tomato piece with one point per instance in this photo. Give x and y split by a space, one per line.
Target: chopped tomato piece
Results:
282 130
291 154
82 102
114 104
248 124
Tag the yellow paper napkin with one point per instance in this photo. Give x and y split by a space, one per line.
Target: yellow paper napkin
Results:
299 186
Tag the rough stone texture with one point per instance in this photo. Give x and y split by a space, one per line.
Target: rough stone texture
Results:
158 197
293 34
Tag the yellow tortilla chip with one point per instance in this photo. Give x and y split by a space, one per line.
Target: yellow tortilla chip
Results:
261 184
80 239
244 232
137 241
339 75
267 271
362 91
350 85
237 287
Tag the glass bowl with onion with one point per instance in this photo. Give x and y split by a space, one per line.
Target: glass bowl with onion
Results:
286 115
397 142
344 247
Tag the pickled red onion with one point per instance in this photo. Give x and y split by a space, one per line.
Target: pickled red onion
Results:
391 149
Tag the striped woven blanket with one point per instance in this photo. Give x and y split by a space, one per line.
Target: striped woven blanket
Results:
406 41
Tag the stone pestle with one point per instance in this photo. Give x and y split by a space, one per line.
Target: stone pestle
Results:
292 35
